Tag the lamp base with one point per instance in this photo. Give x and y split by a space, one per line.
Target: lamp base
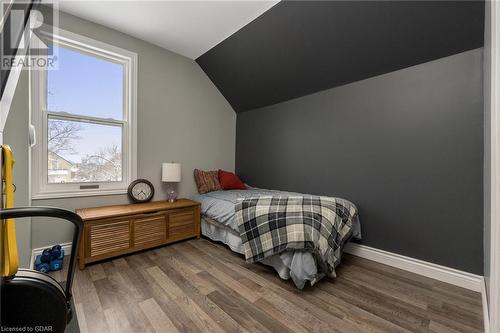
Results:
172 195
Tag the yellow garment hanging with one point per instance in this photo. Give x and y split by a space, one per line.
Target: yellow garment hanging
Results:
9 259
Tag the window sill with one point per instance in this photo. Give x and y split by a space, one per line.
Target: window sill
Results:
81 193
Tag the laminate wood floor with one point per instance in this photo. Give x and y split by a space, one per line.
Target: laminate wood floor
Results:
201 286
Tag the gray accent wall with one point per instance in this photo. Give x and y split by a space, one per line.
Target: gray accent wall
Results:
406 147
181 117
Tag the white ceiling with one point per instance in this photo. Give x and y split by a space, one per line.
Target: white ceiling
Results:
187 27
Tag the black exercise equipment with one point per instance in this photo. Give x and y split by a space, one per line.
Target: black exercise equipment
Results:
32 299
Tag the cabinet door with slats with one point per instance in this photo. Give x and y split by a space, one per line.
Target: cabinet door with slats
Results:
109 237
181 224
150 230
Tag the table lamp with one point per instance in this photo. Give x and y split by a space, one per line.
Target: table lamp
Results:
171 173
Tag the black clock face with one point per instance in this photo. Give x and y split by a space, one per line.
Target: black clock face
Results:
141 190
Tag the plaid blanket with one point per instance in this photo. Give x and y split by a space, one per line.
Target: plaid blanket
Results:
271 225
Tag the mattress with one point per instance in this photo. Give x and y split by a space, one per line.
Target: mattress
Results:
219 224
219 205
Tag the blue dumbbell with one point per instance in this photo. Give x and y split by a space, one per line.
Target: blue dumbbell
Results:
56 265
46 256
44 268
41 266
56 252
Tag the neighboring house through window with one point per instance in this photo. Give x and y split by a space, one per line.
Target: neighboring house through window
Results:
84 115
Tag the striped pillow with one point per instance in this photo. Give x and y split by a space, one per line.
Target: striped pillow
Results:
207 181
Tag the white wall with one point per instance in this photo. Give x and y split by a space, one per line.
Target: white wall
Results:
492 162
17 138
181 117
487 144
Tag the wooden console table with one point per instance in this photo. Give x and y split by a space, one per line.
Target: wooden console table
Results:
116 230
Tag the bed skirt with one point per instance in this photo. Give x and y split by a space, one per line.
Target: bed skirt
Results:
298 266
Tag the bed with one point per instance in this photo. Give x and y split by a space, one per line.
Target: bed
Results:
219 223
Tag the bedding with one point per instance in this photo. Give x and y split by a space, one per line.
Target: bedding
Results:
299 266
219 224
274 224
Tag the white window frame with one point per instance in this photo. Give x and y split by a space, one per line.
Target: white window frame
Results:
40 188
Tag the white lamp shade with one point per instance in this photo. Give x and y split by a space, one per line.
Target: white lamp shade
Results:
171 172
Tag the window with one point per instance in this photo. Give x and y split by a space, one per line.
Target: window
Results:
84 115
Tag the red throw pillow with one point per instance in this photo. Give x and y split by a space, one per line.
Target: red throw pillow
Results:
229 181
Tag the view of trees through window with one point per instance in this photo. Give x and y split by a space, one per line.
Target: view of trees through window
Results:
84 134
66 164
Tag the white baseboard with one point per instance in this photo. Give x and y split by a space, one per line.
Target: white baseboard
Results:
35 252
486 313
441 273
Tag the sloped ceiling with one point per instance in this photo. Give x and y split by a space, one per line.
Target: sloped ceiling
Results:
189 28
301 47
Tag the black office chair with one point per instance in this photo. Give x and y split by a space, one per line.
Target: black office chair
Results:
33 299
